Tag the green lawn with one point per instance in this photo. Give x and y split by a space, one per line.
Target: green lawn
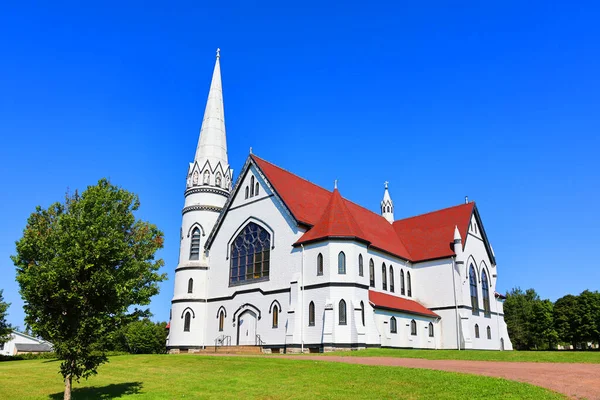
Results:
191 377
591 357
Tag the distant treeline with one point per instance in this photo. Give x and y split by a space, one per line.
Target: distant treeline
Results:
534 323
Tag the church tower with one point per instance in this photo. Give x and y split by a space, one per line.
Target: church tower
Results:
387 205
208 184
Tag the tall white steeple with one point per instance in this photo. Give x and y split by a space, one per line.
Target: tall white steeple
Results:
208 187
210 166
387 205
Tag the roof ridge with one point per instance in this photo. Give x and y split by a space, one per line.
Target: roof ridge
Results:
289 172
435 211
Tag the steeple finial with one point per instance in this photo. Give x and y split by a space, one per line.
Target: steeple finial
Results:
250 149
335 184
218 52
387 205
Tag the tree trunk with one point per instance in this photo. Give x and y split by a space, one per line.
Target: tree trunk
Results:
68 381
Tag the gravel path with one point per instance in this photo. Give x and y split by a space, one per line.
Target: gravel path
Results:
575 380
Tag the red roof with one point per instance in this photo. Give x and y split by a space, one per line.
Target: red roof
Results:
431 235
420 238
336 222
387 301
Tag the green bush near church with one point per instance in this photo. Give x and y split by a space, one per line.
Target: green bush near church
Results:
192 377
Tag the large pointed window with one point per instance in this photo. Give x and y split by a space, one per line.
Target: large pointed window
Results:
342 312
187 321
402 291
383 277
360 265
195 245
485 291
250 253
408 284
371 273
320 264
473 286
341 263
391 279
311 314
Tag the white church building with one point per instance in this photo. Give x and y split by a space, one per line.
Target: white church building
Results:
277 261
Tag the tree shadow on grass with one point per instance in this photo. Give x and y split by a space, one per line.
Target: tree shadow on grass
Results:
113 391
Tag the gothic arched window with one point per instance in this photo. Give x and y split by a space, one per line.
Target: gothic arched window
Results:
408 284
383 277
430 329
360 265
485 291
391 279
473 285
275 317
218 179
320 264
413 327
402 291
476 331
221 321
186 321
311 314
247 191
393 325
341 263
251 186
371 273
250 252
342 312
489 332
256 189
190 285
195 244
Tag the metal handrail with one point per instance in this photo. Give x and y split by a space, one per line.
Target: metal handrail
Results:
258 341
223 340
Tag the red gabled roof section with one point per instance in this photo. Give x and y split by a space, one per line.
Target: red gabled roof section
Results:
336 222
424 237
387 301
430 236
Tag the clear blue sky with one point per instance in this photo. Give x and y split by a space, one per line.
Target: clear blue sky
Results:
497 102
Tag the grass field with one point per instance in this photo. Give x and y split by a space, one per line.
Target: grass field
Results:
591 357
192 377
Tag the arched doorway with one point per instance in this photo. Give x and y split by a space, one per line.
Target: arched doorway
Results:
246 328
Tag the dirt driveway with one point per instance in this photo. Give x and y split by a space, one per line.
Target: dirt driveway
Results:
575 380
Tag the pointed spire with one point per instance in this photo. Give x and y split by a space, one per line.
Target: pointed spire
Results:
387 205
457 237
212 145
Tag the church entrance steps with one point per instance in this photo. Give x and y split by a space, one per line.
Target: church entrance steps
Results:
230 350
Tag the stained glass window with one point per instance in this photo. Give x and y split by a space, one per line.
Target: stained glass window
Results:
250 255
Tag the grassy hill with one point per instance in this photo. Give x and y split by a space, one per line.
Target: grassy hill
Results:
195 377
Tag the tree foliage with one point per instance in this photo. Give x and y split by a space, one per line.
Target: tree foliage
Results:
5 328
540 324
142 337
81 265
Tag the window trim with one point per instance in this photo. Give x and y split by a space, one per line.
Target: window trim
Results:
473 290
195 244
341 263
342 311
187 321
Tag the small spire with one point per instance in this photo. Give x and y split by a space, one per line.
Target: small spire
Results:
457 237
218 52
335 184
466 199
250 149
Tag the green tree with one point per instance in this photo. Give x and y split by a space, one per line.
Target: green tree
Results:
567 320
519 317
145 337
589 314
81 265
5 328
542 327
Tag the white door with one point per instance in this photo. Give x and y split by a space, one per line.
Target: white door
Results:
247 329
